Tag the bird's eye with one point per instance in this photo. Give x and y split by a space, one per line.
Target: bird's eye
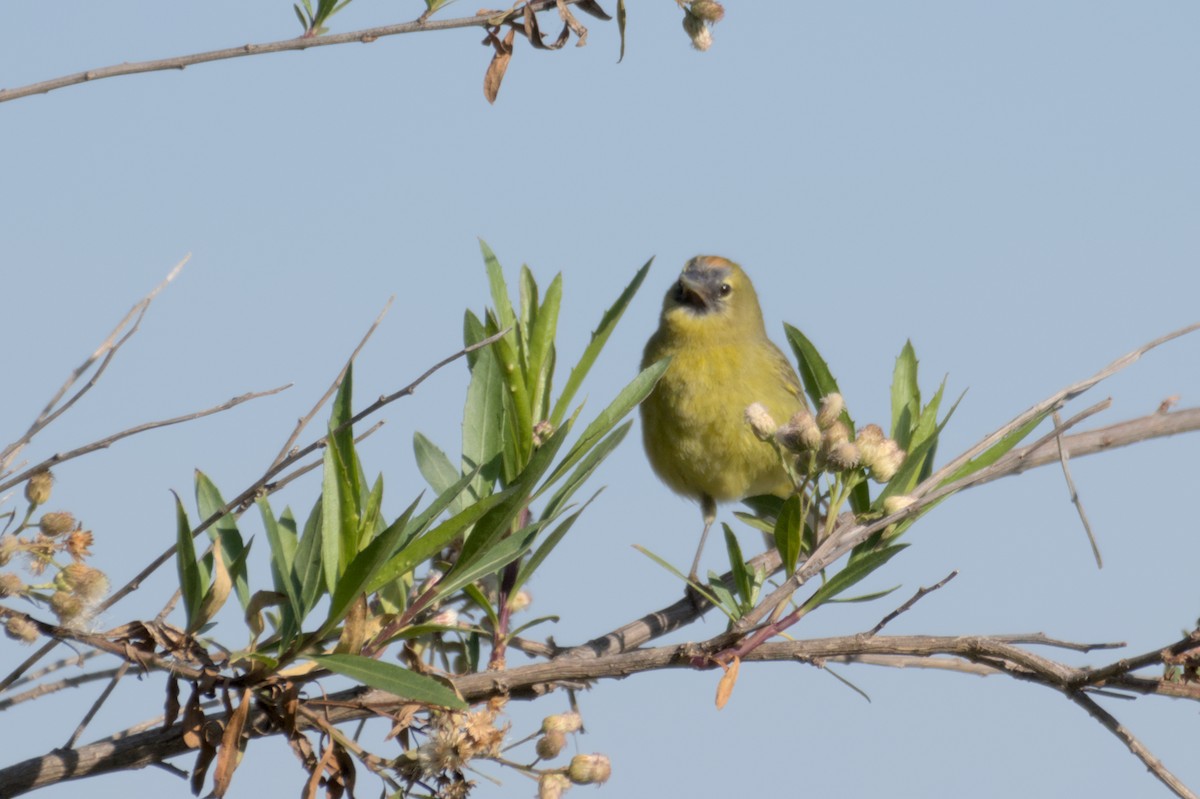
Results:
725 289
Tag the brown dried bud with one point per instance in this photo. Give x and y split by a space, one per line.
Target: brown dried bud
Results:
760 421
832 406
553 785
800 434
550 744
85 582
897 503
563 722
589 769
56 523
888 461
708 10
697 31
835 434
9 545
66 606
78 543
21 629
11 584
842 457
37 490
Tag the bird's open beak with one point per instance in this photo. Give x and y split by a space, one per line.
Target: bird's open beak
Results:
690 291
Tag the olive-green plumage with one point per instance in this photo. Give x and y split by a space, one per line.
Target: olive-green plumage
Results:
693 423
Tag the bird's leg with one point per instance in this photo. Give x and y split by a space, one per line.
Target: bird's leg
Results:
708 507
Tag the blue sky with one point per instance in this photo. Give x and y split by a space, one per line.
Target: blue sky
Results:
1014 187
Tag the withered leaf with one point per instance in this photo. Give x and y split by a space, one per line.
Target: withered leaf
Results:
499 65
593 8
728 680
232 745
534 34
171 705
571 22
193 721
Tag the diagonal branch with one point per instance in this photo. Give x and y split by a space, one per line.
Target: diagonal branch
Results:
365 36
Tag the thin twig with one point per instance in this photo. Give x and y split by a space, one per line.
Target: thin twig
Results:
107 350
58 685
914 599
365 36
104 443
308 417
1075 500
95 708
1139 750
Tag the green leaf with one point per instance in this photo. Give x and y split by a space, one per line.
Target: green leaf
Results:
483 421
489 561
309 561
300 16
541 348
500 299
547 546
481 601
339 525
341 437
599 337
855 571
428 545
499 519
587 465
906 396
737 565
392 679
209 502
761 525
866 597
628 399
283 541
362 570
814 372
788 526
528 291
520 414
434 464
192 583
705 591
452 498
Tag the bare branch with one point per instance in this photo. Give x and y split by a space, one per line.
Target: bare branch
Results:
308 417
106 351
104 443
365 36
1075 500
921 592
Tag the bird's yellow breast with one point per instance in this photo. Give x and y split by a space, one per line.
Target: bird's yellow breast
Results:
693 424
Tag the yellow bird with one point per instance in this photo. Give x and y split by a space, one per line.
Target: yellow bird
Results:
693 423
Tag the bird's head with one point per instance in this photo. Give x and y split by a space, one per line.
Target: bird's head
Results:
713 290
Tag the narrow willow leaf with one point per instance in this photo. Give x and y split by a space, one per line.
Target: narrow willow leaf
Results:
394 679
997 450
283 542
854 572
209 502
628 399
541 348
906 396
500 299
788 527
341 437
520 414
587 465
489 561
866 597
621 27
191 582
434 464
547 546
814 372
309 561
528 293
705 591
362 570
737 565
758 524
599 337
483 421
426 546
454 499
481 601
499 519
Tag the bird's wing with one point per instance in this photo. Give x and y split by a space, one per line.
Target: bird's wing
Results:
786 372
